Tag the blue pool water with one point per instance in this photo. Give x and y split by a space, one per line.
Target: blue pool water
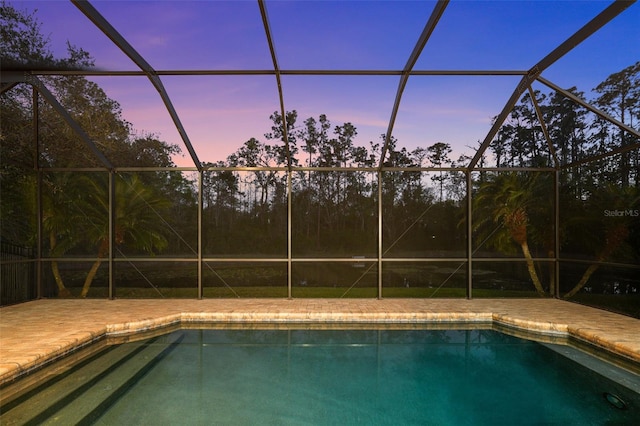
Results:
333 377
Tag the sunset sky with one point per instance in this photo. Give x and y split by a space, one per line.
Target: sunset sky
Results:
220 113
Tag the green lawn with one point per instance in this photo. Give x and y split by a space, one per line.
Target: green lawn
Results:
304 292
623 304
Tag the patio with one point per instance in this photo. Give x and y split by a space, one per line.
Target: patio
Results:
35 333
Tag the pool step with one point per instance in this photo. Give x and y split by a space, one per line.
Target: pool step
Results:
61 385
83 393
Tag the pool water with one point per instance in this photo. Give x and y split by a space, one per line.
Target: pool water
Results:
330 377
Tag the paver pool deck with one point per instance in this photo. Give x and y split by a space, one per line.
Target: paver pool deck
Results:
34 333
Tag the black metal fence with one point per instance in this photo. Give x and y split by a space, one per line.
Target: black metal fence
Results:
17 273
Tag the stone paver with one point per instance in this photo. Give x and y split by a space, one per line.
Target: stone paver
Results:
34 333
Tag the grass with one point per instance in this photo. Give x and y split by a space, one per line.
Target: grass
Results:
304 292
622 304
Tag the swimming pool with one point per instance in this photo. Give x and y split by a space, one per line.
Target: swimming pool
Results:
373 376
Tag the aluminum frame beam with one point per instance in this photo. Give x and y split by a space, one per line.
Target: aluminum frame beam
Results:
39 201
619 150
431 24
9 79
48 96
588 106
276 68
582 34
285 136
99 21
6 86
121 73
543 126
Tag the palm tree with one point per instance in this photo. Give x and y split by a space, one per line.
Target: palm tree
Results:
61 220
138 221
508 200
76 212
608 214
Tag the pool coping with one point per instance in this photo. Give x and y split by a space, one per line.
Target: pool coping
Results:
37 333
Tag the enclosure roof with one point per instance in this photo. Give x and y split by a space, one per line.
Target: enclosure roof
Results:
206 75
